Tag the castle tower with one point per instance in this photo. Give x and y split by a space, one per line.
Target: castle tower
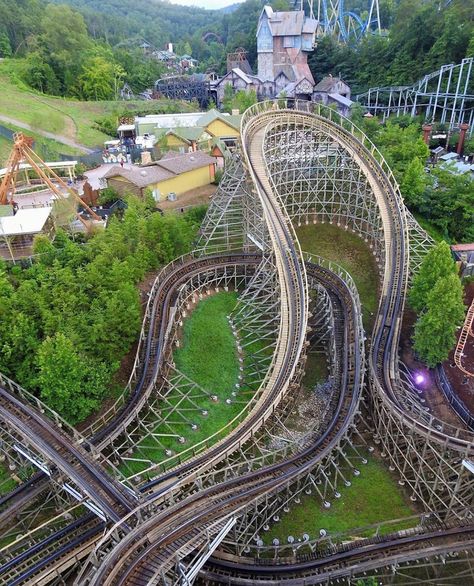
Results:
284 40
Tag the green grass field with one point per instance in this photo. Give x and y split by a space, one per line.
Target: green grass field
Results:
5 148
6 482
374 496
208 355
352 253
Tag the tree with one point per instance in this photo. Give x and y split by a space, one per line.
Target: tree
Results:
438 263
244 99
99 79
5 47
65 42
68 383
435 330
228 98
448 203
400 145
414 183
39 75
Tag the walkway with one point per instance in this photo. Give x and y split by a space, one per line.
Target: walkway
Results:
57 137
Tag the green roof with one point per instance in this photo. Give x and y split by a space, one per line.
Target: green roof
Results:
188 133
233 120
209 117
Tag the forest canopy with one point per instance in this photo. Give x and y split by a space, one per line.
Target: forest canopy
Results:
66 41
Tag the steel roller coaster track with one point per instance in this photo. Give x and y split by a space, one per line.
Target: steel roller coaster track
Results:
166 518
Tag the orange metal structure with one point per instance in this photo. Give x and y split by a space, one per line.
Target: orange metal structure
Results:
22 152
467 331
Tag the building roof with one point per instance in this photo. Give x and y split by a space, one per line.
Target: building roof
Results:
209 117
177 163
242 75
219 144
327 84
171 165
456 167
140 176
125 127
292 23
463 247
189 134
170 120
25 221
341 99
449 157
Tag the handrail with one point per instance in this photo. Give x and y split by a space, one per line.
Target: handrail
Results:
454 400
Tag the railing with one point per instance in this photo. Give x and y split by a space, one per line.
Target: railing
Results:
135 374
453 399
429 425
304 548
74 435
324 112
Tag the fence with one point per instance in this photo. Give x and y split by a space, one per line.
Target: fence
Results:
456 403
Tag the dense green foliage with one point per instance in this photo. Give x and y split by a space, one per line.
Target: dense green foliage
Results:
67 321
437 264
423 35
437 297
240 100
65 56
86 48
443 197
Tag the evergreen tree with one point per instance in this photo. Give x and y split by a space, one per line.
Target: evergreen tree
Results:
437 264
435 330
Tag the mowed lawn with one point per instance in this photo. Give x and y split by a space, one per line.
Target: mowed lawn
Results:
207 355
373 496
352 253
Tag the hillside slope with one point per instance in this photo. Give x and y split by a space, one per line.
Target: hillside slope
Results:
71 120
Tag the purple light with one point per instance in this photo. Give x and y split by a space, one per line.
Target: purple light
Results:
419 379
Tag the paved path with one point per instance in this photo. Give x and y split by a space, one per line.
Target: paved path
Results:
51 135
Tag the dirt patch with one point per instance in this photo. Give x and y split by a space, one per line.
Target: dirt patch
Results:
429 391
194 197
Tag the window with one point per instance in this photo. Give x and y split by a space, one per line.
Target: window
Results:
288 42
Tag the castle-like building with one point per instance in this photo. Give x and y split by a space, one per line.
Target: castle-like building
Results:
284 41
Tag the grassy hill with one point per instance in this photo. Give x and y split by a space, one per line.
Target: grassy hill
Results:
72 120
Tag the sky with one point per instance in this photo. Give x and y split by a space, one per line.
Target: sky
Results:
206 3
